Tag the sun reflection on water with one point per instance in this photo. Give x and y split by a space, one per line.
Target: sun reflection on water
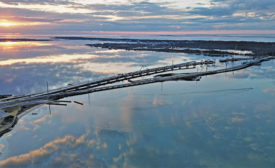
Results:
13 45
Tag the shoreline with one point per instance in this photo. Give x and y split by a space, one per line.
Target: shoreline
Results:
204 47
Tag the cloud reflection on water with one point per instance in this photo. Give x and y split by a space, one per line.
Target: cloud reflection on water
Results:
48 149
65 58
125 128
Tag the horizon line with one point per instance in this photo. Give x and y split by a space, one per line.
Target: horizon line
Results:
205 32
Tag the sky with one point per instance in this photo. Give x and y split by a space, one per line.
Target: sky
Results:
73 17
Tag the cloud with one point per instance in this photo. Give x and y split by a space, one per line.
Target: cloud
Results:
238 8
81 17
48 7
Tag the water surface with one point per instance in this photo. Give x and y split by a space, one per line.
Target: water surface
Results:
225 120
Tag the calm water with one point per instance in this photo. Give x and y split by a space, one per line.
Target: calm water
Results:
226 120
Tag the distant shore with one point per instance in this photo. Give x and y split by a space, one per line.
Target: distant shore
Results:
208 48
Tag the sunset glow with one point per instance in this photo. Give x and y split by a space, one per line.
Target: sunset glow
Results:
13 45
8 23
136 17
